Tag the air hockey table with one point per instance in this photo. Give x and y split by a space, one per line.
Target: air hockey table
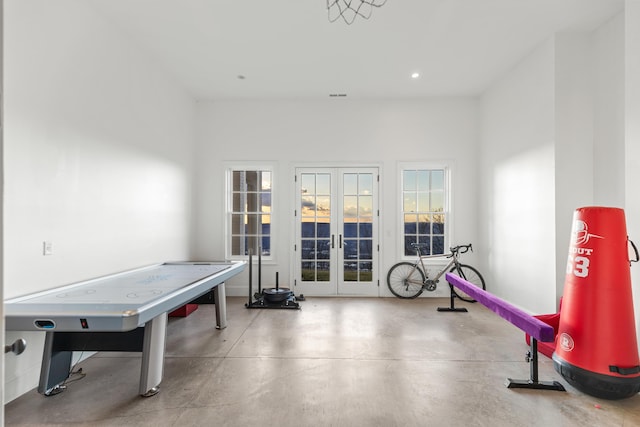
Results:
125 311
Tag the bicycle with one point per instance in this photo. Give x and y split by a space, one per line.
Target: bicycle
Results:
408 280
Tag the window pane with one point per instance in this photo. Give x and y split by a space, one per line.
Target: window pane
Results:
422 178
438 227
410 222
423 202
409 180
265 202
410 203
437 180
238 181
438 244
237 224
437 201
408 249
424 226
266 181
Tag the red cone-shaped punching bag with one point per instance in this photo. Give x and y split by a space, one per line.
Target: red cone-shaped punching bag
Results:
596 345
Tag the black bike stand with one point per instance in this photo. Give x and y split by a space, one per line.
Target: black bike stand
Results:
452 306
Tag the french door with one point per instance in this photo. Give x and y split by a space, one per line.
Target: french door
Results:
336 250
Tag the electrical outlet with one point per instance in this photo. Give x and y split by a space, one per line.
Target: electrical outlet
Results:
47 248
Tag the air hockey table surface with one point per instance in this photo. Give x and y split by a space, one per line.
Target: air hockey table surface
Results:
118 302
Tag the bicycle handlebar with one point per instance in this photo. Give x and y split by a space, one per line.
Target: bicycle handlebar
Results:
460 249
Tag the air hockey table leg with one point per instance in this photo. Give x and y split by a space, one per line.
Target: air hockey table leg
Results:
155 334
220 299
56 365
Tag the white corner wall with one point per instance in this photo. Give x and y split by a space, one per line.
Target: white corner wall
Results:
573 141
551 141
334 132
632 138
609 113
98 158
517 196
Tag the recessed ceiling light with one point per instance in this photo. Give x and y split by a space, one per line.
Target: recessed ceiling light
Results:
415 75
241 77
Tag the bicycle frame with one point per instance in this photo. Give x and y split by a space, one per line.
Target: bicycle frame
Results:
420 264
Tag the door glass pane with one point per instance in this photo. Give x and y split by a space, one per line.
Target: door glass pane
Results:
324 227
350 184
323 182
308 183
315 226
365 184
365 206
323 205
350 206
357 227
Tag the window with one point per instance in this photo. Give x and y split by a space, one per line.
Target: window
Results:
424 210
249 212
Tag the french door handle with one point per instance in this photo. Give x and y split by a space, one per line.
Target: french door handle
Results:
340 242
333 241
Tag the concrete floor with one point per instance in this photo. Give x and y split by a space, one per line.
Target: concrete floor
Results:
336 362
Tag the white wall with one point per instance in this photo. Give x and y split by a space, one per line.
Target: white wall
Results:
334 132
552 141
98 158
1 203
573 141
632 138
517 195
609 113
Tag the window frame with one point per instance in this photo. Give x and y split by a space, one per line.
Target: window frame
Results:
230 169
447 229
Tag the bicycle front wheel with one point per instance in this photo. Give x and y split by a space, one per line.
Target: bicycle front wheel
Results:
405 280
471 275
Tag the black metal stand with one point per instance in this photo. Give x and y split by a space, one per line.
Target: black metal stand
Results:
532 358
270 300
452 305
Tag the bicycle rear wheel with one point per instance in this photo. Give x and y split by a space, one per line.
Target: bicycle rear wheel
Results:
471 275
405 280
